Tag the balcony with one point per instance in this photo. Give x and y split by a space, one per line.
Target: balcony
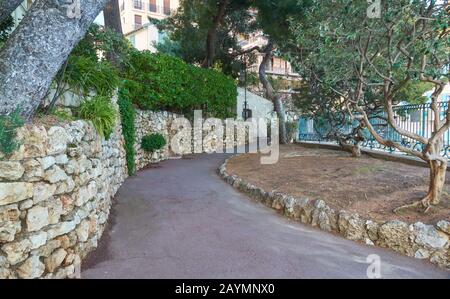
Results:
153 8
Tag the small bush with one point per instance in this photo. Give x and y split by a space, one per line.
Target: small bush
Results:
101 112
128 115
153 142
8 132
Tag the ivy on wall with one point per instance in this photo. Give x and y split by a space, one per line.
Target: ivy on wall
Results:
128 115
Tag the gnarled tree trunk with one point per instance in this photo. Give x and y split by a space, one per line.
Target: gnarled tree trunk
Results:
354 149
7 7
438 170
271 94
38 47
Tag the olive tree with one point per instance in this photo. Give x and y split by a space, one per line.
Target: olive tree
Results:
368 62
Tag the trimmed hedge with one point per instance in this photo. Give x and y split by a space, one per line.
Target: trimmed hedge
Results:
161 82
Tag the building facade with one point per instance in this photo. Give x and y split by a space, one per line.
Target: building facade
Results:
277 66
136 26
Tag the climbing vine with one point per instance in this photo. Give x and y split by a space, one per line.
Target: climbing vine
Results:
128 115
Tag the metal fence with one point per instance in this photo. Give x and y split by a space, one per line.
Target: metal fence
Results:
417 119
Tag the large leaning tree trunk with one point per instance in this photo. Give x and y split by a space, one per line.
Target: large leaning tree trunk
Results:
38 47
212 33
7 7
270 91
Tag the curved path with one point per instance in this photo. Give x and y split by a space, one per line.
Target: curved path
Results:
181 220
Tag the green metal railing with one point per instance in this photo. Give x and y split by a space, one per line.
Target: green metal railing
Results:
417 119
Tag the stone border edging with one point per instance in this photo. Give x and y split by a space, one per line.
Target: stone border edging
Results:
417 240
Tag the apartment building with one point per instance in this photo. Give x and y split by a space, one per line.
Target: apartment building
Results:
135 16
277 66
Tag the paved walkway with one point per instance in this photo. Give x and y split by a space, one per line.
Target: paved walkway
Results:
182 221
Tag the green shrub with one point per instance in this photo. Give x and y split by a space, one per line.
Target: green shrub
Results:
161 82
101 112
5 29
8 132
86 75
153 142
128 115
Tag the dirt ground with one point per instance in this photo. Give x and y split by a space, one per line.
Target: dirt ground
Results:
368 186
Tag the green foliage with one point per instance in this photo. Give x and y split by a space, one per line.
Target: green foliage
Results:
153 142
161 82
85 75
188 28
63 115
99 42
128 115
413 92
87 70
101 112
8 132
5 30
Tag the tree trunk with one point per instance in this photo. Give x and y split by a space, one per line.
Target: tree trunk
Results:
212 32
112 16
271 94
7 7
354 149
438 170
111 13
38 47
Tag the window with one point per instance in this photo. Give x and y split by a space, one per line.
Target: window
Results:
137 21
137 4
152 6
167 7
133 40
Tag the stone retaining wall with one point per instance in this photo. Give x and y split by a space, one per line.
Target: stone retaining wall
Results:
149 122
56 192
55 198
417 240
